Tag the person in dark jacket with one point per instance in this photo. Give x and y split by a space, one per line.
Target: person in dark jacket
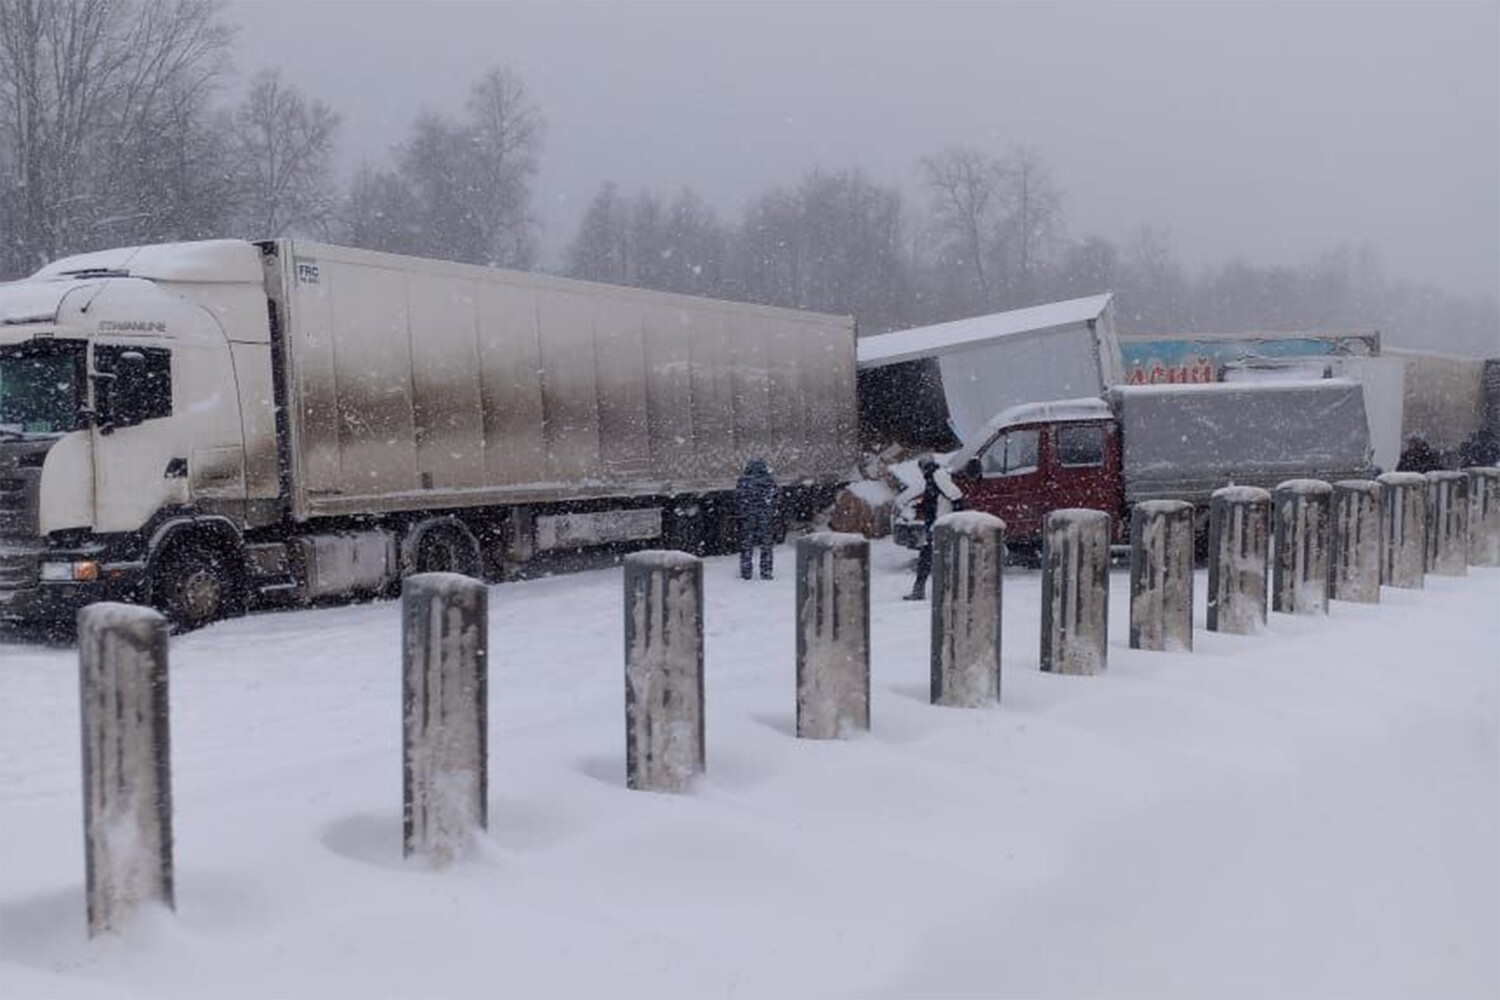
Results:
933 493
759 500
1419 456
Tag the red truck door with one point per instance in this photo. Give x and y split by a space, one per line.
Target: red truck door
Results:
1083 467
1006 479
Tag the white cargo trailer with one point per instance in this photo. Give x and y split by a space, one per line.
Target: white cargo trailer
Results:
201 425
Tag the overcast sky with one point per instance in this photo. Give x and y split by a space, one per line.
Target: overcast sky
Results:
1267 131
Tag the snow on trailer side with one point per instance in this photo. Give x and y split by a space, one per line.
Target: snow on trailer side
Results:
418 384
1181 442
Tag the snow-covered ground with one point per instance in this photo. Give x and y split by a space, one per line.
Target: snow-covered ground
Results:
1313 811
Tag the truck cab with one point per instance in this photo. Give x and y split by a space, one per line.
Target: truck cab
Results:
122 423
1040 457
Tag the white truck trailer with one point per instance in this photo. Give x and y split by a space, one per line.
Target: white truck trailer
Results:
206 425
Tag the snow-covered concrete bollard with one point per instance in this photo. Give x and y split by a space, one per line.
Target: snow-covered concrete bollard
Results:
127 776
1299 577
1355 571
1484 516
1403 529
1075 592
968 552
1447 523
833 635
1239 541
663 670
1161 575
444 708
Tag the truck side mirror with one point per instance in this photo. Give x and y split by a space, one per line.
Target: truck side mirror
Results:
973 469
128 392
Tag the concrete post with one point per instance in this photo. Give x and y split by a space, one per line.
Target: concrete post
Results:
1403 529
664 747
1484 516
1075 592
1299 579
1239 539
1355 574
444 709
833 635
1447 523
968 551
127 775
1161 575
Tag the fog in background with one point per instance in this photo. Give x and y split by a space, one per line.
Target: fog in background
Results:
1269 132
1229 167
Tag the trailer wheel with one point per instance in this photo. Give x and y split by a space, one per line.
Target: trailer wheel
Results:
447 550
193 587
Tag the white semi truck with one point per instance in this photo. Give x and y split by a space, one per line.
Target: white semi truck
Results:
203 426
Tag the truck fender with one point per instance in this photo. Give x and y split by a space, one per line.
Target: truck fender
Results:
412 543
221 528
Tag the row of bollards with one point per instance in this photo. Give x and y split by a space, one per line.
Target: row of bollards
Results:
1332 542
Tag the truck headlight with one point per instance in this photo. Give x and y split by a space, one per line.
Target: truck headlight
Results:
70 572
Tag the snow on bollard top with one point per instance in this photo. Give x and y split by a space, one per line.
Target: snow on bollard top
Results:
116 614
442 583
1445 476
836 539
1305 487
970 522
1162 508
1369 487
1078 515
1401 479
662 559
1241 494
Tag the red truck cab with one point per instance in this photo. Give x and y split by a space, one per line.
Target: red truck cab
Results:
1041 457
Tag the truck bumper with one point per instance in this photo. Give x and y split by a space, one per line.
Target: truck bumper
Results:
36 600
52 602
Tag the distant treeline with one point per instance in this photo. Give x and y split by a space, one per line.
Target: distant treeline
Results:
114 130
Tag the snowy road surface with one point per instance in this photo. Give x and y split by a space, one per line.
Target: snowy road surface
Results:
1313 811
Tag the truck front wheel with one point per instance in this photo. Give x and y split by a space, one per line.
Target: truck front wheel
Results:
192 588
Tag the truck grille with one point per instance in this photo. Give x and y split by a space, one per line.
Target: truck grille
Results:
18 567
20 488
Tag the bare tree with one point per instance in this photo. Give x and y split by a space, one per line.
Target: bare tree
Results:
835 244
283 144
636 241
471 180
1153 292
1033 224
380 213
600 250
92 94
964 187
507 132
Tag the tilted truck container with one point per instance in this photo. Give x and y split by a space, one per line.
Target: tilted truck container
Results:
202 425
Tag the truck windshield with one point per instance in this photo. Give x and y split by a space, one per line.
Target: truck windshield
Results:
41 386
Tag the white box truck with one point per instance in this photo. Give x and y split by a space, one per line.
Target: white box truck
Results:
206 425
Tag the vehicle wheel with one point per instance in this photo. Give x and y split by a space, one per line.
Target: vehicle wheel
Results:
447 550
192 588
684 529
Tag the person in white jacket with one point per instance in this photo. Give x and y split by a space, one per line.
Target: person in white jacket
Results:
934 492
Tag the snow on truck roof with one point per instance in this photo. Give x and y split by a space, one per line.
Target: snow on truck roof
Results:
204 260
945 338
1059 411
